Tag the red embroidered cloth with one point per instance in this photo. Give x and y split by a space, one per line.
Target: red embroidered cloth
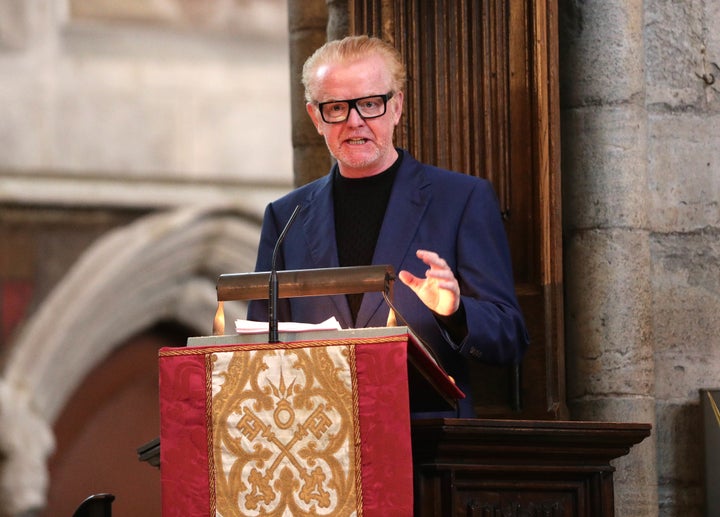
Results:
303 428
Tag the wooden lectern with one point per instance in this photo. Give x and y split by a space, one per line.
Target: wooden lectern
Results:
317 423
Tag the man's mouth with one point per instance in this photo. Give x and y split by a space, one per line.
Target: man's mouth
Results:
356 141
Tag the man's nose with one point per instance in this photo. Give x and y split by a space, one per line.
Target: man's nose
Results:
354 116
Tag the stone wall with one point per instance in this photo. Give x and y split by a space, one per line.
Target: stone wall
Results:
641 179
683 102
140 142
607 257
155 103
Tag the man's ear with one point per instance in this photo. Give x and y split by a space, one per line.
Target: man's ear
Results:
397 107
314 116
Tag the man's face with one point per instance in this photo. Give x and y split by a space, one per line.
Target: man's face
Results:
362 147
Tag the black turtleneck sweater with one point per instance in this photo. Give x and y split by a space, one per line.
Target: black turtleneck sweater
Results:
360 205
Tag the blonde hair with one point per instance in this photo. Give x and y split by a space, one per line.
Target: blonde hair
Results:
349 49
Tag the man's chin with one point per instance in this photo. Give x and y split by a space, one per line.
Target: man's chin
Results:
359 158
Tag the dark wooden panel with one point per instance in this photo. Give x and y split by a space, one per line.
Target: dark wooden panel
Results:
482 99
518 468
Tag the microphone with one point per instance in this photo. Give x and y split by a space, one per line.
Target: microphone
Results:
273 285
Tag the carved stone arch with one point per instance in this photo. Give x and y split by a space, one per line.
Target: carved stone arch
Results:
162 267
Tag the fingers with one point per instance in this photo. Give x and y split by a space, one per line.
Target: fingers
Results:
410 280
436 262
439 273
431 258
407 277
439 269
439 289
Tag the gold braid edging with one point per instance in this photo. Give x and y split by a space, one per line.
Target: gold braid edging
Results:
209 360
200 350
356 432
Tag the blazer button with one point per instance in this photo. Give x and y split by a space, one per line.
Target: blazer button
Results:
477 354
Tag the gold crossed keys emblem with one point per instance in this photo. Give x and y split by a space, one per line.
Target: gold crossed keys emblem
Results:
284 432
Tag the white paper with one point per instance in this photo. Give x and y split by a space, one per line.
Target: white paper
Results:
258 327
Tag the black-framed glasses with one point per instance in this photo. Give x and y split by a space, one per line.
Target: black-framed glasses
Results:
372 106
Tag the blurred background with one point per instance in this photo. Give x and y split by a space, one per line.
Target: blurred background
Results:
139 143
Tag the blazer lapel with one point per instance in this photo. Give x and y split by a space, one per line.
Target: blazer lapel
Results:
408 201
319 226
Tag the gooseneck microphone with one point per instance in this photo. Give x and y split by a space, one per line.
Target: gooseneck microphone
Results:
273 293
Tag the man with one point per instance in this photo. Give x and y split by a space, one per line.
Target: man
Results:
440 230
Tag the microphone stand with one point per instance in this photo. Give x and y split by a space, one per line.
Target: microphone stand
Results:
273 284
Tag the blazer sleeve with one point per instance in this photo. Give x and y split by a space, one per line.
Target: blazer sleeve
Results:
496 328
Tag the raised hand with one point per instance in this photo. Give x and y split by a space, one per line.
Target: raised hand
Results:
439 290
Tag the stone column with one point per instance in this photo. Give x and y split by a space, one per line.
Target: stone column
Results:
338 19
307 25
610 364
311 23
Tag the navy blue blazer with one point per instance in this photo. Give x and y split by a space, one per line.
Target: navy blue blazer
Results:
453 214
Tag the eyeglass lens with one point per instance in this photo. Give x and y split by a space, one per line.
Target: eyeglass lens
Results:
367 107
